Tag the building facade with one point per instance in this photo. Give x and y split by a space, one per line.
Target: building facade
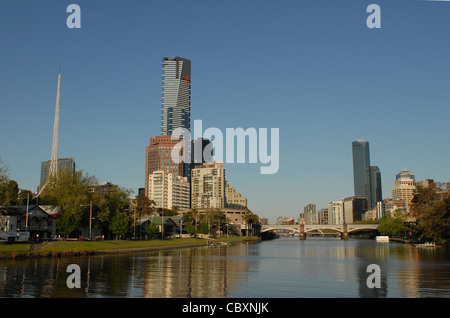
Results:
233 199
176 95
361 164
354 209
322 216
284 220
39 221
404 189
310 213
159 158
374 191
336 212
208 186
168 190
63 164
366 178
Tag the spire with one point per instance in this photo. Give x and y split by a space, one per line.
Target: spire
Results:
54 160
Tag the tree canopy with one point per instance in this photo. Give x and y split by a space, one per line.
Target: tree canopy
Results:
431 206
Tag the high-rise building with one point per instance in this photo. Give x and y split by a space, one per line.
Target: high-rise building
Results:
168 190
176 94
367 178
233 199
336 212
374 192
354 209
404 188
196 156
63 164
159 158
208 186
322 216
310 213
361 163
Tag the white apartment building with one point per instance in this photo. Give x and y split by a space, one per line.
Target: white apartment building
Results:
336 212
208 186
168 190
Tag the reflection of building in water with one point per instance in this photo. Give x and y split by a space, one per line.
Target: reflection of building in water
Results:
195 272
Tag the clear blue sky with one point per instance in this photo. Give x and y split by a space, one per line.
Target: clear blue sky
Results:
310 68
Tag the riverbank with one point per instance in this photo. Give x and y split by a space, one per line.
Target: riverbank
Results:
82 248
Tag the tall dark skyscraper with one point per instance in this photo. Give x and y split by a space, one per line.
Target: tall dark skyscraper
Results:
361 164
176 95
367 178
374 194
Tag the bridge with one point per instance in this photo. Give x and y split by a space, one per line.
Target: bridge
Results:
302 228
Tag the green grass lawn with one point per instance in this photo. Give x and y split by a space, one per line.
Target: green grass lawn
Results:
92 246
10 248
61 246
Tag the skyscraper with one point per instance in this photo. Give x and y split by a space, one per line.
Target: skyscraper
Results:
361 164
176 95
63 164
310 213
404 188
159 158
374 193
367 178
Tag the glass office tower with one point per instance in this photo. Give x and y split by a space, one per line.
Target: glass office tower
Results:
361 164
374 193
367 178
176 95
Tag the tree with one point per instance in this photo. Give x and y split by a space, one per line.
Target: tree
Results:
120 223
9 193
144 206
393 225
26 196
434 221
424 198
250 219
152 230
71 192
191 229
204 228
9 189
68 224
111 200
431 206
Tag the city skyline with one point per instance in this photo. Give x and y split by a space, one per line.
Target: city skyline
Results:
347 82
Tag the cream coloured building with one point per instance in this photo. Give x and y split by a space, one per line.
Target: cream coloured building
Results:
168 190
208 186
336 212
404 189
234 200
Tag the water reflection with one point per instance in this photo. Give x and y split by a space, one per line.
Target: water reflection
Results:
279 268
193 272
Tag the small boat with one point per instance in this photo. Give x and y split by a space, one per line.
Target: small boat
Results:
427 244
382 239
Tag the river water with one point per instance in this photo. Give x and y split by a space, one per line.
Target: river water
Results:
282 268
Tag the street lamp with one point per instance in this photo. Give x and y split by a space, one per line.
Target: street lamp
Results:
181 225
90 220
